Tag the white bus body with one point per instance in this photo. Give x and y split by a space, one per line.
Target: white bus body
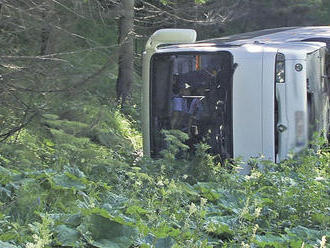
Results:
267 94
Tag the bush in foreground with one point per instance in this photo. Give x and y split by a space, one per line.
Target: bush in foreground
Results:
112 202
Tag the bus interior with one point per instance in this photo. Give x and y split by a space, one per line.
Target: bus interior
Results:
192 92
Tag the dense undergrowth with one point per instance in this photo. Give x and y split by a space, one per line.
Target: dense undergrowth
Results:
73 183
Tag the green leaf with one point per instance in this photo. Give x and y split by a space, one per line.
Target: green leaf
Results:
320 218
3 170
136 210
67 236
102 232
71 220
208 191
164 243
220 229
301 232
69 181
189 190
164 230
7 245
270 240
4 193
150 241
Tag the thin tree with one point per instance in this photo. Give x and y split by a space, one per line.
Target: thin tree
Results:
126 50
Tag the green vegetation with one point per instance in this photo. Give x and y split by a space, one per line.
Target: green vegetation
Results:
84 188
71 167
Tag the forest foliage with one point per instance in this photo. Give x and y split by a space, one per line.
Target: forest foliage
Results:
71 167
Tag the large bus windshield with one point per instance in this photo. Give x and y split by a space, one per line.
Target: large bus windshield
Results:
192 92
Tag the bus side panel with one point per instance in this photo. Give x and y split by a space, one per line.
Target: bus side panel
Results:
247 102
268 105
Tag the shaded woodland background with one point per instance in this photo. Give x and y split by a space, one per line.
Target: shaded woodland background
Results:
71 172
54 50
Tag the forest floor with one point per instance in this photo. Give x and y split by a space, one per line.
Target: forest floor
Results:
75 183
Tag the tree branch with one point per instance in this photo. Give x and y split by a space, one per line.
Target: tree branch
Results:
16 129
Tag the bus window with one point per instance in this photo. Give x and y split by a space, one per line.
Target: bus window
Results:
192 93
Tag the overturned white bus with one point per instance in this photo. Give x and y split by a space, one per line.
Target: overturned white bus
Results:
260 93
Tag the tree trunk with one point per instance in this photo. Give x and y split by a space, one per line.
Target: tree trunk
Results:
47 38
126 50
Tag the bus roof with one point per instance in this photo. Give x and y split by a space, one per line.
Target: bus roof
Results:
277 35
245 36
296 39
